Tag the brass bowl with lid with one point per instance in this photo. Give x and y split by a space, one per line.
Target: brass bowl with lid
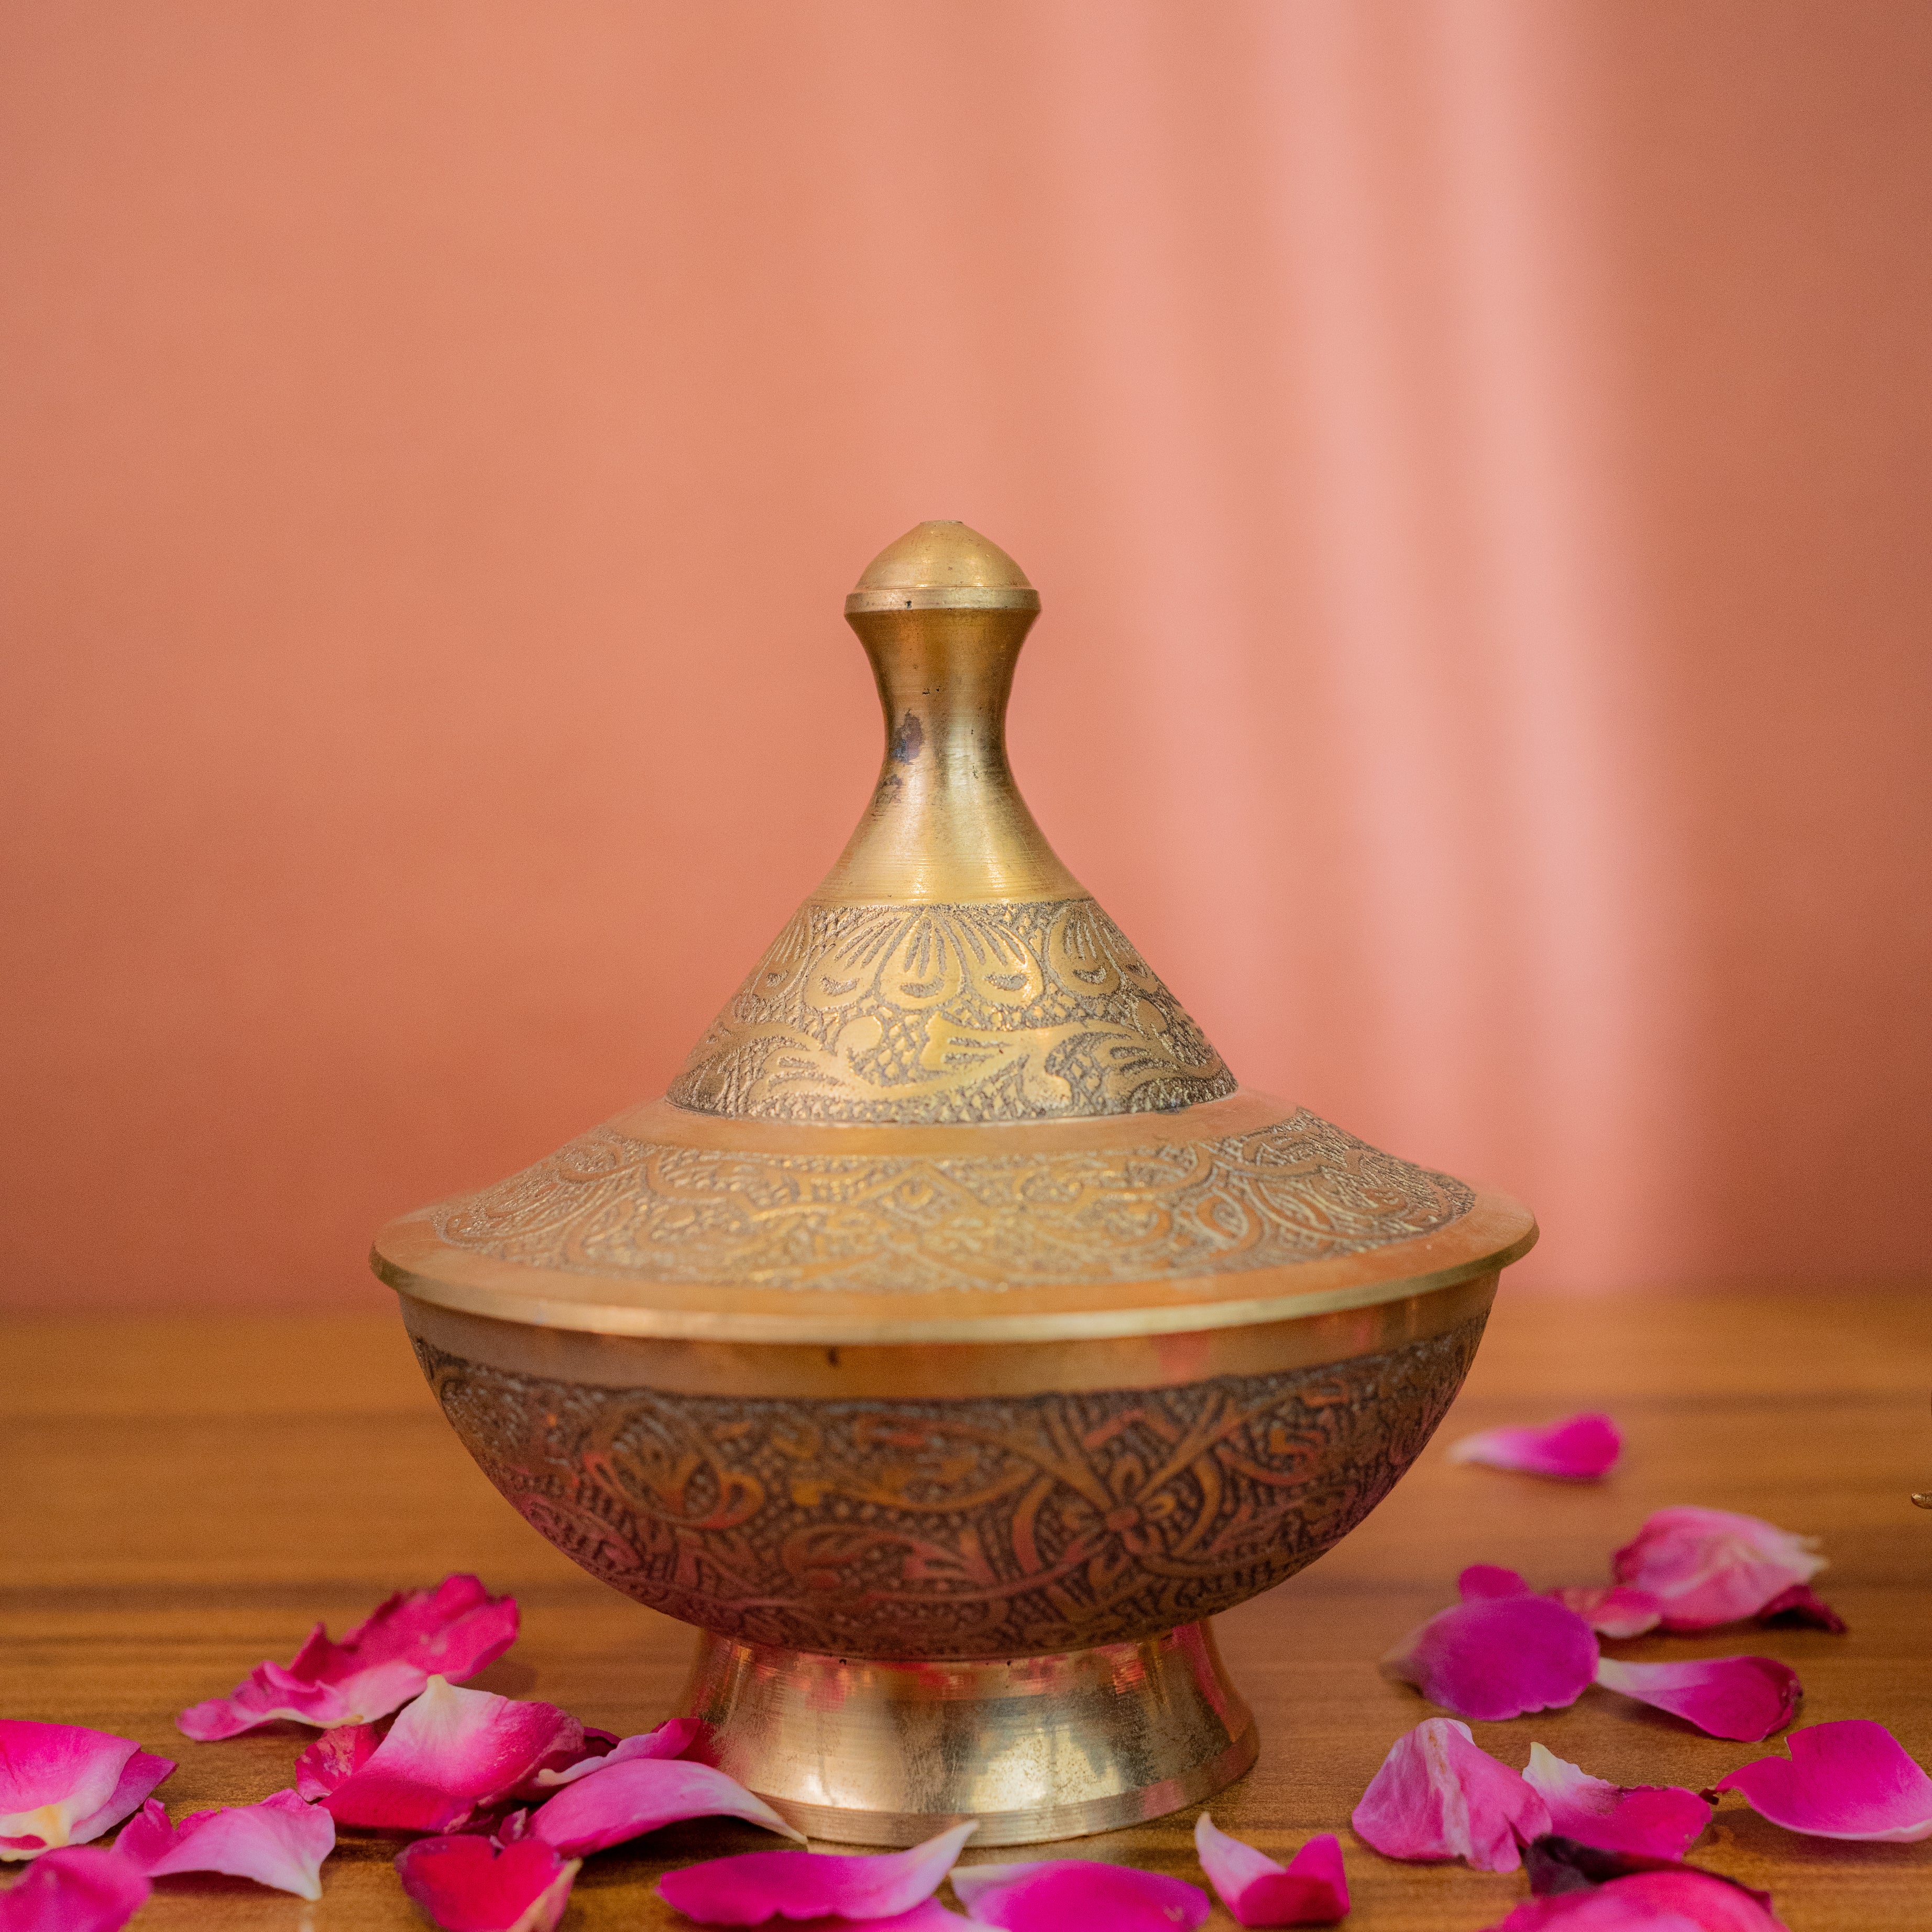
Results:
958 1336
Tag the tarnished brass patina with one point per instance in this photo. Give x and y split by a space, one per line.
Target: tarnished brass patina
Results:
957 1335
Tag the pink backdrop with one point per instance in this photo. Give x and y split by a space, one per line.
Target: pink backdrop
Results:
1474 457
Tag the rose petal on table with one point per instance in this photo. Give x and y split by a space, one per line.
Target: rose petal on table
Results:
450 1754
1746 1698
1579 1449
753 1886
451 1632
1613 1609
333 1757
81 1888
1439 1795
1481 1580
929 1915
1710 1567
629 1799
64 1784
280 1842
1657 1821
1851 1779
465 1884
1078 1895
670 1739
1311 1889
1495 1658
1802 1607
1683 1901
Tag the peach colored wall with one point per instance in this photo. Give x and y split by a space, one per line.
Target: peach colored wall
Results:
1474 456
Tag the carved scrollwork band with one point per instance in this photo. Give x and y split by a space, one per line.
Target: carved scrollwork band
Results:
1300 1190
977 1528
931 1014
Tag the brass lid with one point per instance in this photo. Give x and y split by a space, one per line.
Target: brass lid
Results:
952 1102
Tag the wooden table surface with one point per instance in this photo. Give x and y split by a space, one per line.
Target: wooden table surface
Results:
180 1498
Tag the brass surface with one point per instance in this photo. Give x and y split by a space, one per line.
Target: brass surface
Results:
1038 1747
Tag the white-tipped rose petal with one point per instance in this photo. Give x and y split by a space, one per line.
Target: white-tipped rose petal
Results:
1746 1698
1656 1821
1851 1779
466 1884
64 1784
1311 1889
1439 1796
1614 1609
672 1738
334 1757
1497 1657
1579 1449
1708 1567
81 1888
753 1886
629 1799
280 1842
1078 1895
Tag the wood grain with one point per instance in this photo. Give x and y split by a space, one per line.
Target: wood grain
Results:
180 1498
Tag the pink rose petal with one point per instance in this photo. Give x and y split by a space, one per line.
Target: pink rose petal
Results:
1743 1697
1437 1796
466 1884
1078 1895
1657 1821
1800 1605
1579 1449
82 1888
929 1916
754 1886
1495 1657
1311 1889
280 1842
333 1757
1613 1610
63 1784
631 1799
451 1632
1710 1567
1652 1901
449 1755
1851 1779
1490 1580
670 1739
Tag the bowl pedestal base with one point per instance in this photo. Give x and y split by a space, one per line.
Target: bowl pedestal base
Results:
861 1752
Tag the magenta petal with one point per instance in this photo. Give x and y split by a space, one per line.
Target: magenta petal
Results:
672 1738
466 1884
1311 1889
82 1888
1662 1901
1657 1821
280 1842
1743 1697
449 1755
629 1799
451 1632
64 1784
333 1757
1439 1796
754 1886
1498 1657
1078 1895
1578 1450
1710 1567
1851 1779
1490 1580
1800 1605
1615 1610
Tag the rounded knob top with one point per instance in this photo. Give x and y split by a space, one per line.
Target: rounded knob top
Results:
943 565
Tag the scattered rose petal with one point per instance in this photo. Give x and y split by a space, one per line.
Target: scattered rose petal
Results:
466 1884
1614 1609
449 1755
1311 1889
1557 1864
333 1757
631 1799
1494 1657
1657 1821
1710 1567
1579 1449
1490 1580
1682 1900
63 1784
754 1886
451 1632
82 1888
671 1739
1851 1779
1801 1606
1743 1697
280 1842
1078 1895
927 1916
1439 1796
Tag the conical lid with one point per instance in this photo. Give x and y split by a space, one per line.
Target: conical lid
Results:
952 1102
